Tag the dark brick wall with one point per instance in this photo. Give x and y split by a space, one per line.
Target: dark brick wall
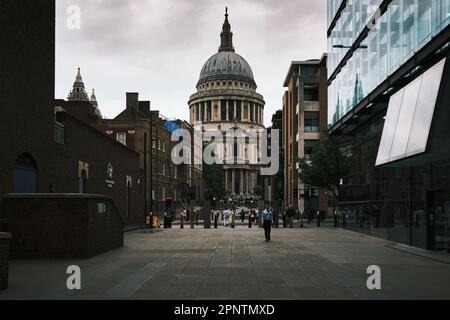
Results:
87 144
61 226
4 254
27 64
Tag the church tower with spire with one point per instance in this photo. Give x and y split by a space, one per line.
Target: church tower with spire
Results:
78 93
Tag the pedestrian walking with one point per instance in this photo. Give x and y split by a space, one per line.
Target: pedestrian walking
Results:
267 217
225 218
290 216
183 217
242 216
216 218
232 215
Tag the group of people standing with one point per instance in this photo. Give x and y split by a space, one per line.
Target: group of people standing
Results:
263 218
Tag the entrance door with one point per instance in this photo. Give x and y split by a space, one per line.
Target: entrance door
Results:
438 237
25 175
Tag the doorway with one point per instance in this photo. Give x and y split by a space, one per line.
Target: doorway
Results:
438 221
25 174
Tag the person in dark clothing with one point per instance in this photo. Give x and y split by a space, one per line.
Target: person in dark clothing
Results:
290 216
267 217
242 216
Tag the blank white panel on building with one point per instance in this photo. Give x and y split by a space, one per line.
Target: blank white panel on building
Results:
426 105
384 152
405 120
410 116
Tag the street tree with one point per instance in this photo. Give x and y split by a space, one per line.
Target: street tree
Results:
326 168
214 179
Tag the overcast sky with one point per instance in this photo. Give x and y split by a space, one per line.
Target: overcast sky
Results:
158 47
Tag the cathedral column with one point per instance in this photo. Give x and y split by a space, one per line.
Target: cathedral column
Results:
226 181
242 110
233 182
241 182
200 112
253 114
259 114
235 110
205 110
248 181
228 113
262 114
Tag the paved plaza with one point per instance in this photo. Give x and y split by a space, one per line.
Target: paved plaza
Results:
310 263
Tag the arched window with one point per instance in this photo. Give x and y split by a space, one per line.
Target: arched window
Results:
25 174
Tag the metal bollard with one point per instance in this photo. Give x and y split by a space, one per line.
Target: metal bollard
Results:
318 219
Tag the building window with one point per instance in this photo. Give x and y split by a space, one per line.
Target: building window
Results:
122 138
310 147
308 70
312 123
25 174
59 133
311 93
163 193
246 117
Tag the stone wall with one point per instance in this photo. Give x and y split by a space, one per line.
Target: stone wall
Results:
69 226
4 256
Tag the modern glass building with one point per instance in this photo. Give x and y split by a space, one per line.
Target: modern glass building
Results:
388 100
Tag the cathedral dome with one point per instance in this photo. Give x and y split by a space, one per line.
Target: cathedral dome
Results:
226 65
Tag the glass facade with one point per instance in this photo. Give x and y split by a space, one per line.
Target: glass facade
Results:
406 205
333 6
406 27
355 16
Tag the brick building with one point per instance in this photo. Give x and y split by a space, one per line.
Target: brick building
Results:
169 185
304 126
47 148
273 185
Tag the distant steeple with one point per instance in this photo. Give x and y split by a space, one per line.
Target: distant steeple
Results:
94 103
358 93
78 93
226 37
93 99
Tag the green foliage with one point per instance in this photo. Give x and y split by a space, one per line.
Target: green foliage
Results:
214 178
257 190
328 165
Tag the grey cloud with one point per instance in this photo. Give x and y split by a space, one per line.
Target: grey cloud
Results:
158 47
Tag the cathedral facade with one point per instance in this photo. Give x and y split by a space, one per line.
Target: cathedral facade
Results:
226 102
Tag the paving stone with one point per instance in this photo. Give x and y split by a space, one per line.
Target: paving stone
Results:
307 263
